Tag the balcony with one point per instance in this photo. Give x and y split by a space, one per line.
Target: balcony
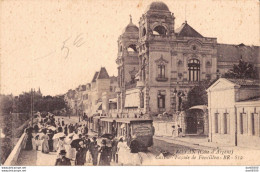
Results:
160 79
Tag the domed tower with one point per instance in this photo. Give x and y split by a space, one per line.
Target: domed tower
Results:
156 36
127 59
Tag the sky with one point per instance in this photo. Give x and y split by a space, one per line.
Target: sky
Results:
58 45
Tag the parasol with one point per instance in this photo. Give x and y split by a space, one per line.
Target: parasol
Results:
52 128
75 143
108 142
58 135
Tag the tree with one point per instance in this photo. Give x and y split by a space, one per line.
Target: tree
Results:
197 95
243 70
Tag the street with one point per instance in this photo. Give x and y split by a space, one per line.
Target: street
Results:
34 157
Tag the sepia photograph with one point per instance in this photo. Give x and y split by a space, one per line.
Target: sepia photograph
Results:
129 83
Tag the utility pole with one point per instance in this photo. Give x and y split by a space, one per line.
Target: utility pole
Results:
32 105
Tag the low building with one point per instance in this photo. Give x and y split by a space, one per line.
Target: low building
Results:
234 107
95 97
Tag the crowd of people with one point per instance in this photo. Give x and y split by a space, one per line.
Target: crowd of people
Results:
73 146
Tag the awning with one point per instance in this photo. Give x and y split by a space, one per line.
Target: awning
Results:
114 100
96 109
132 100
201 107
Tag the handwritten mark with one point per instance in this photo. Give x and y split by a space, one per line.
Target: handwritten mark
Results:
65 49
78 41
45 55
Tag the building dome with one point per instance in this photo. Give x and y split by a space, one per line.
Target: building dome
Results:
157 6
130 28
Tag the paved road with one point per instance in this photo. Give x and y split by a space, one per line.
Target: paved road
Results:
161 146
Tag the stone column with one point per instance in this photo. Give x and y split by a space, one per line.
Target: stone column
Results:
206 123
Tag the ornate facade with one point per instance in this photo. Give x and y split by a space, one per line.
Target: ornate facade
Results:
158 64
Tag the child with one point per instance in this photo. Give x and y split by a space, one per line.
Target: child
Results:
37 141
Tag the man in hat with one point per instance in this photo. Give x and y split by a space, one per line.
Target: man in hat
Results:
62 161
135 159
94 150
86 141
81 154
104 154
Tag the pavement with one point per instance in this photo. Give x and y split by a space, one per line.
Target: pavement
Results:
198 142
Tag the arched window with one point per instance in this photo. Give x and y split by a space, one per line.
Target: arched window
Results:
159 30
121 48
194 70
144 70
132 48
161 69
180 63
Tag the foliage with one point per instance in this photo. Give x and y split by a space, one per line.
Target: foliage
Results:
6 149
243 70
197 95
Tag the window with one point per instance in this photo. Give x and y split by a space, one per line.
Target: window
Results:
255 125
142 100
159 30
216 122
180 63
194 70
161 99
143 69
243 123
144 32
226 123
161 69
111 89
133 79
208 64
132 48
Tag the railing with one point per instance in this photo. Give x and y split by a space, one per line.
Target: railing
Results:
12 158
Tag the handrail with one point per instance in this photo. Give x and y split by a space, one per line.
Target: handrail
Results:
12 158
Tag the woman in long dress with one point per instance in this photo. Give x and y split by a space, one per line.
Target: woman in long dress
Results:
55 143
104 154
70 152
123 150
61 145
45 144
28 145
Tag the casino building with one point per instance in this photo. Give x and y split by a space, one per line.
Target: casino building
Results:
158 62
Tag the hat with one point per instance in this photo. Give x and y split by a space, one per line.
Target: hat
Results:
71 135
121 138
63 152
104 141
94 138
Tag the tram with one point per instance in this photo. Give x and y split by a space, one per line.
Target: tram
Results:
142 129
96 124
